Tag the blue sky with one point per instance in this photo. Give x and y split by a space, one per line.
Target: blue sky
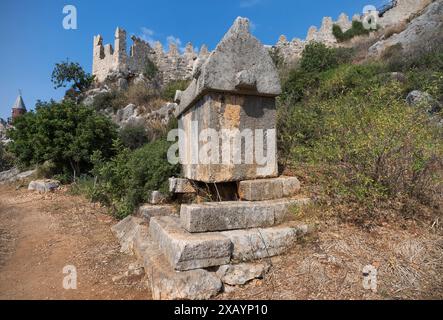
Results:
33 38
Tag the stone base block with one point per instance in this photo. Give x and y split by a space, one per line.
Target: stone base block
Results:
232 215
148 211
186 251
254 244
179 185
166 283
125 231
268 189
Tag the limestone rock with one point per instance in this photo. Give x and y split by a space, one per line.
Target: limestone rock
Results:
157 197
423 100
232 215
149 211
8 174
240 274
186 251
180 185
254 244
419 33
47 185
125 231
269 189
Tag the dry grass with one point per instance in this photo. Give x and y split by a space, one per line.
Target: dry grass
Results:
408 258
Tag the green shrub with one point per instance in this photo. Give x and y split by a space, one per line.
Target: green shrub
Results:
357 29
150 70
6 159
133 136
168 93
128 179
317 57
64 133
364 143
105 100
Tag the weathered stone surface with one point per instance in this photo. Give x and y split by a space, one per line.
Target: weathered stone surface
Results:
239 274
254 244
125 231
157 197
231 215
239 57
44 185
425 29
8 174
268 189
148 211
423 100
166 283
179 185
246 124
186 251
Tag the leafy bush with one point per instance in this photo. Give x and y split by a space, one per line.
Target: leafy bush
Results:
361 141
150 70
168 92
317 57
105 100
6 159
133 136
64 133
128 179
71 73
357 29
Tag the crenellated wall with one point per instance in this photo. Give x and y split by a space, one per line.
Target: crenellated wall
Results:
292 50
172 65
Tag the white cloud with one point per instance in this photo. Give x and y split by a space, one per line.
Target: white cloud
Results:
148 35
249 3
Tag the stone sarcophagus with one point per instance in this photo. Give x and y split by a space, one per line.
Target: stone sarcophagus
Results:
227 115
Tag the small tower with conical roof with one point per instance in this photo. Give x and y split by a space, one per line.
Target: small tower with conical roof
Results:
19 108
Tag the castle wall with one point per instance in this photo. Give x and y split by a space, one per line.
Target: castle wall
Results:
172 65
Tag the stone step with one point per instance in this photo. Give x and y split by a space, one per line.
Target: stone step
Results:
268 189
255 244
180 185
186 251
166 283
149 211
232 215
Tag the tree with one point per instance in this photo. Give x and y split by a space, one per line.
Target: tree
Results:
65 133
71 73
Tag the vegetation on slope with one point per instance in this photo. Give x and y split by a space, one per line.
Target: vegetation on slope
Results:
348 131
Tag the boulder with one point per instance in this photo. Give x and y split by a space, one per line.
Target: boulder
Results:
423 100
180 185
46 185
239 274
157 198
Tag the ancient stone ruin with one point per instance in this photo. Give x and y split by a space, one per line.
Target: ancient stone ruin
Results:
172 65
207 247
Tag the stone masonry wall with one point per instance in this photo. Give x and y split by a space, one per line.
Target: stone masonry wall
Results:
172 65
292 50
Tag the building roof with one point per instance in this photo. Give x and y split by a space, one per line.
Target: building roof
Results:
19 104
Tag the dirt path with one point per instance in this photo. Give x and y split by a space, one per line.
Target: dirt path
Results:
41 234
